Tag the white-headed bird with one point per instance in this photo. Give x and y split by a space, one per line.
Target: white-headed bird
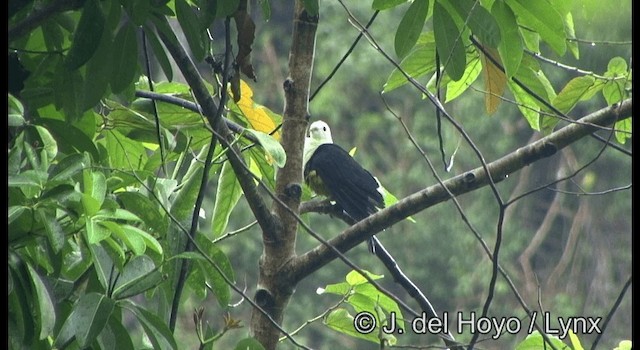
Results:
330 171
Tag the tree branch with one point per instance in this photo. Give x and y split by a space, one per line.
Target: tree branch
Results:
313 260
194 107
40 15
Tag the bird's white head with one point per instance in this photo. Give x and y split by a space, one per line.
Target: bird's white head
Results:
319 133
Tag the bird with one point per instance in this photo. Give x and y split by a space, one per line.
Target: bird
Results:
330 171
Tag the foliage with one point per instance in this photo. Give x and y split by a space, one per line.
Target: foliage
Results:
102 181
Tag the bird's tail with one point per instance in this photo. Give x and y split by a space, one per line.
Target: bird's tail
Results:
371 242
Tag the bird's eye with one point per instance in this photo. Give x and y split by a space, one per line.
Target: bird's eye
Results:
324 128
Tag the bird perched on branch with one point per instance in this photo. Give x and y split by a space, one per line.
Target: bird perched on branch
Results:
330 171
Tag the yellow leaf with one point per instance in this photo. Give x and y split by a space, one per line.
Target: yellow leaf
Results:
257 115
494 81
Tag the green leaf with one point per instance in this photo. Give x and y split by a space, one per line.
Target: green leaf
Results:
577 89
131 240
139 275
261 167
271 146
88 318
410 27
366 297
157 331
380 5
543 18
145 209
77 259
124 61
218 284
49 144
95 232
146 238
617 66
181 210
75 140
471 73
124 153
228 193
54 230
191 26
624 345
115 335
342 321
511 44
94 186
449 42
103 264
159 52
249 344
45 311
33 178
575 341
15 212
98 71
390 199
479 20
16 111
535 341
527 105
570 31
420 61
86 36
355 278
623 130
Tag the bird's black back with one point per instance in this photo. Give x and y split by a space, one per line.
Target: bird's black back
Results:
350 185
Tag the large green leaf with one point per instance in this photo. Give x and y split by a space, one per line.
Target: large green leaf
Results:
471 73
190 24
577 89
87 35
218 284
124 61
159 52
45 311
74 139
342 321
124 153
449 42
52 226
146 209
94 186
157 331
543 18
420 61
115 336
139 275
99 67
228 193
410 27
511 44
480 21
271 146
535 341
88 318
